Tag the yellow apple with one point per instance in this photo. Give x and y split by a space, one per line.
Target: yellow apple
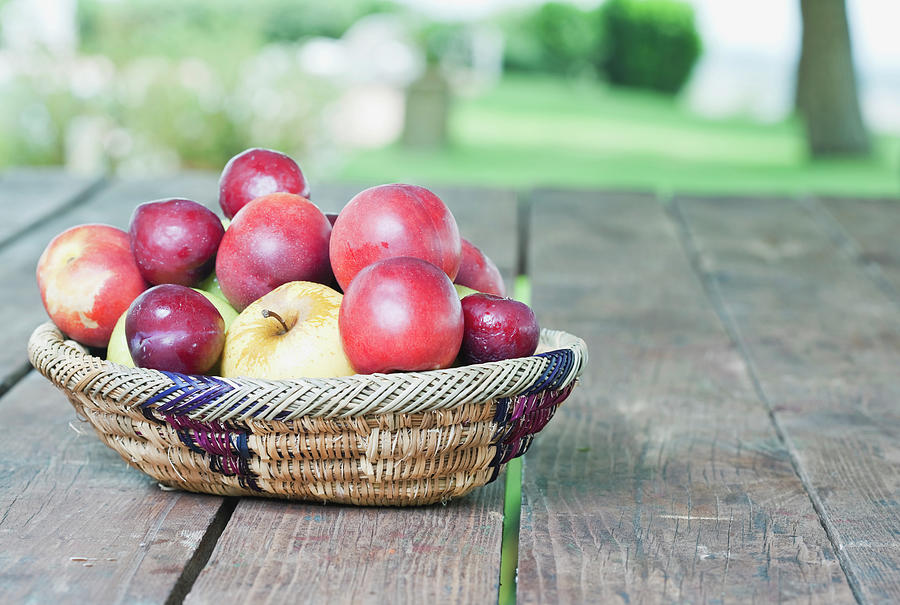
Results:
118 345
291 332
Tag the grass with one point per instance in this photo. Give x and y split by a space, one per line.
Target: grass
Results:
531 131
509 552
512 500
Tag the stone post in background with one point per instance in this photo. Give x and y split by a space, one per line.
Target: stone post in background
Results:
427 110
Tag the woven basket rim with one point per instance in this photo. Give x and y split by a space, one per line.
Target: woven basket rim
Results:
237 399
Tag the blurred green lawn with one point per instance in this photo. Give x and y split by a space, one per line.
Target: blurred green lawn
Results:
532 131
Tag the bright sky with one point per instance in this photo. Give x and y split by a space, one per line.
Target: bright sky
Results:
768 28
771 28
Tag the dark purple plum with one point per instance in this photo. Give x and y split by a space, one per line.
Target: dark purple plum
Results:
497 328
175 329
175 241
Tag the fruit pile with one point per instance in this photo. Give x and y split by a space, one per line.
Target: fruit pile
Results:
259 293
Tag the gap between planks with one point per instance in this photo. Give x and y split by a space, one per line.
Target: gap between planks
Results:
711 288
204 551
80 197
10 380
849 246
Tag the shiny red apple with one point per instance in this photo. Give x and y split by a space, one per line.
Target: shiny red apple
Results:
87 277
175 241
479 272
497 328
174 328
273 240
257 172
400 314
391 221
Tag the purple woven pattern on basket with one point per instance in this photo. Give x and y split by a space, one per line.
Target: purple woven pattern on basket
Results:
226 448
188 393
518 419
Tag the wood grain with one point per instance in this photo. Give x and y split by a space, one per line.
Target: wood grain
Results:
662 479
869 230
30 195
823 342
274 551
77 525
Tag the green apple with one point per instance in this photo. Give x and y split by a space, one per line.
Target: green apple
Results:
464 291
291 332
211 285
118 345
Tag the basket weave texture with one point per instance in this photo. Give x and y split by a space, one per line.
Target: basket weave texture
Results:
382 439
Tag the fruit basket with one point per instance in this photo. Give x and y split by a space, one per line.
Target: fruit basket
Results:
399 439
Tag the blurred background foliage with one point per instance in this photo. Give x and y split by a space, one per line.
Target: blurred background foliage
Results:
652 44
542 94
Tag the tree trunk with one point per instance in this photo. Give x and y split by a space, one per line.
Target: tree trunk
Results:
826 82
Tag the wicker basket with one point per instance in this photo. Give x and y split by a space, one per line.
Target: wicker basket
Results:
382 439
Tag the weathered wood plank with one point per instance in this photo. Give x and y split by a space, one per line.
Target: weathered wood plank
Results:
274 551
823 343
662 479
28 196
77 525
870 231
20 303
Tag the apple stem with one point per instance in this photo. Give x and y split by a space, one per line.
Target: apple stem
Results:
266 313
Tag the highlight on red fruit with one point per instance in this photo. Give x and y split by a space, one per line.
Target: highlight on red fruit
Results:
273 240
497 328
400 314
390 221
478 271
257 172
176 329
174 241
87 277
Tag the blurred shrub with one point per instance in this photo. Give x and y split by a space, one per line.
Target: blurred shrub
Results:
649 43
643 43
222 32
290 20
162 82
157 113
32 121
555 38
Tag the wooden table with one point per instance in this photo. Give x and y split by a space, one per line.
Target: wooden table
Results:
735 438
